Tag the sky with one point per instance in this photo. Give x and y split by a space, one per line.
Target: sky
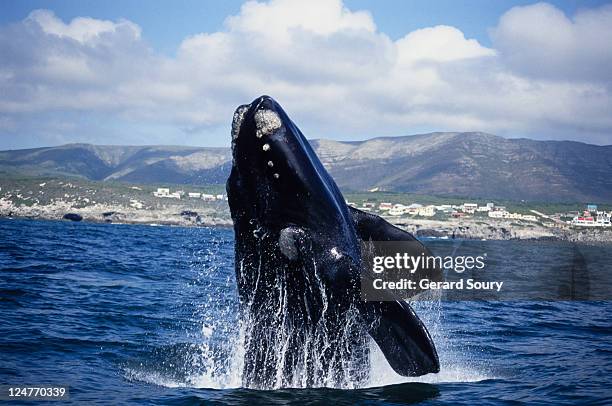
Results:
158 72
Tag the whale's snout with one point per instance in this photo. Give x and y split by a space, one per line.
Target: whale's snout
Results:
263 111
259 141
274 162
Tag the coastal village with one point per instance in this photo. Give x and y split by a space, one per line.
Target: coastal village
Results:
181 194
79 200
590 217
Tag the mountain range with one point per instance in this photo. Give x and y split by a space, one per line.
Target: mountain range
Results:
467 164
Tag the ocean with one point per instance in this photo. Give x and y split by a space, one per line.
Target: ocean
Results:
131 314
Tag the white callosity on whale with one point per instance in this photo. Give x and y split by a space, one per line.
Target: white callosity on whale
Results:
267 121
237 120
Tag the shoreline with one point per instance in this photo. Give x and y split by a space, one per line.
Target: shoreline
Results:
173 220
420 228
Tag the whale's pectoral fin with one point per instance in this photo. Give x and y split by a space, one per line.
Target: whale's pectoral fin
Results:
370 227
402 337
393 324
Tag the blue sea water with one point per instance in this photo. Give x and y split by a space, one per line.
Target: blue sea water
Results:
128 314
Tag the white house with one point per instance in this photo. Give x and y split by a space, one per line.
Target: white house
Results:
413 208
427 211
385 206
470 207
447 208
162 192
498 214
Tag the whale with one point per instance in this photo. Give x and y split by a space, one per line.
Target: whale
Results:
299 262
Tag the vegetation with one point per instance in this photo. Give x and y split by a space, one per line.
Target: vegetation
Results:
27 189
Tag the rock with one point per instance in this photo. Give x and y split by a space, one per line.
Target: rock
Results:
73 217
113 216
428 232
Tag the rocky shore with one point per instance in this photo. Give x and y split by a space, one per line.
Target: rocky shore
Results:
498 229
174 215
185 215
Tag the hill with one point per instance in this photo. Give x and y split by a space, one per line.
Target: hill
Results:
446 164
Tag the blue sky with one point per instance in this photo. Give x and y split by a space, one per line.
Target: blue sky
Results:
138 72
166 23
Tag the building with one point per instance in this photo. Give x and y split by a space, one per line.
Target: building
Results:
427 211
385 206
590 221
470 207
195 195
503 214
161 192
498 214
446 208
413 209
208 197
397 210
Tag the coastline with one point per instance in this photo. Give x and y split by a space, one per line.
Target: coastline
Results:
118 203
172 215
184 216
498 229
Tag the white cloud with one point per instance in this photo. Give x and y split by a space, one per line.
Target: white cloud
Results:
439 44
547 76
542 42
277 18
80 29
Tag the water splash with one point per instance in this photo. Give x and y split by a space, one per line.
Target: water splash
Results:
456 363
311 343
215 357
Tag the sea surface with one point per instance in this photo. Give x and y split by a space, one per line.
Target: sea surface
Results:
126 314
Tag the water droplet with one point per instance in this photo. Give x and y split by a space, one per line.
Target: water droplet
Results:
270 164
258 232
266 147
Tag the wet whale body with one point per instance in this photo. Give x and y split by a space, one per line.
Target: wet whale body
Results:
298 263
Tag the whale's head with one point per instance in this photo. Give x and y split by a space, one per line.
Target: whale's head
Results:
277 179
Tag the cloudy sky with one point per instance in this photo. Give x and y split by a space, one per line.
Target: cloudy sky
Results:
162 72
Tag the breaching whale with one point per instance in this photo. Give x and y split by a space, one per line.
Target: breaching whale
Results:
298 263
